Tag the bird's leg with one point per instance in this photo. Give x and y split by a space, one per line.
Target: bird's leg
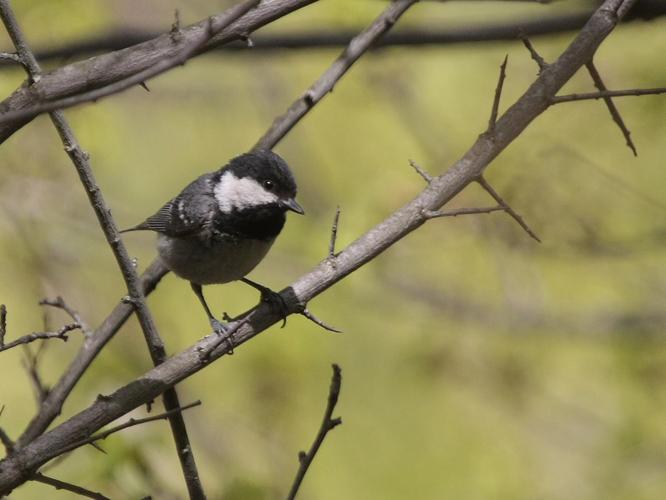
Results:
272 298
214 323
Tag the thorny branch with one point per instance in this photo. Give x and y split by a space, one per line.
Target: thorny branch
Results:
615 114
72 488
327 425
16 469
80 160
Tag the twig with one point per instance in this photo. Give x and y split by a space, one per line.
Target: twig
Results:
434 214
100 436
606 93
73 488
334 233
11 57
615 114
356 48
507 208
59 303
61 334
426 176
498 95
535 55
188 50
3 324
4 437
30 364
305 312
327 424
80 160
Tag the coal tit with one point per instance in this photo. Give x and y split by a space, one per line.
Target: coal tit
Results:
223 224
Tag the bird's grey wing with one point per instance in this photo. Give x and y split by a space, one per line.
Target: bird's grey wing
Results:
187 213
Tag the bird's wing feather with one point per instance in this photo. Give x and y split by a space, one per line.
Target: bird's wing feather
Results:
187 213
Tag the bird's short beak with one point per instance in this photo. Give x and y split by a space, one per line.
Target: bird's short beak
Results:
292 205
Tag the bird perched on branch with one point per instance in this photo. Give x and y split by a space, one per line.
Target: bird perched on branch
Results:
223 223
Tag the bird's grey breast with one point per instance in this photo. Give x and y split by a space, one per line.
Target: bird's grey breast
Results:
220 259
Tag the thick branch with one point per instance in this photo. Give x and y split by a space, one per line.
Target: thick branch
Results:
17 469
328 424
356 48
105 69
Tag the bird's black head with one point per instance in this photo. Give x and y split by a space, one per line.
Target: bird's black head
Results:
256 179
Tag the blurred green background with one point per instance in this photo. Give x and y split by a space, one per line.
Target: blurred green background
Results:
477 364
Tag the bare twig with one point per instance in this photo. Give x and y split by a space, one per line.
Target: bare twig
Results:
426 176
356 48
100 436
80 160
215 24
61 334
72 488
31 365
606 93
507 208
327 425
7 442
59 303
305 312
498 95
3 324
535 55
615 114
434 214
334 233
10 57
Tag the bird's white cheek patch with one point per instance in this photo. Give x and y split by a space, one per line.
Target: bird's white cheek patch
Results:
234 193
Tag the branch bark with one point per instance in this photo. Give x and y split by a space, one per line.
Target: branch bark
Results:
18 467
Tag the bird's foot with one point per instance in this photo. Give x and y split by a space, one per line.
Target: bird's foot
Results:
218 328
275 302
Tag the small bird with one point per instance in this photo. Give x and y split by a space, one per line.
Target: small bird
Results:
223 224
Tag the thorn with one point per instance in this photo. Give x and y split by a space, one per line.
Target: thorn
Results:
144 86
319 322
426 176
498 94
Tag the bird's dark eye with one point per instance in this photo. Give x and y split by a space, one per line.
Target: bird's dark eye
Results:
268 185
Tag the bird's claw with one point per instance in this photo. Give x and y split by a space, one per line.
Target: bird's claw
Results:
277 303
218 328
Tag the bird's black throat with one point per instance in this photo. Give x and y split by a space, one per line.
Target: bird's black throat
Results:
258 223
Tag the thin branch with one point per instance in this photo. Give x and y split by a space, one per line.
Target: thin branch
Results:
215 24
100 436
7 442
356 48
31 365
498 95
434 214
533 52
72 488
10 57
507 208
426 176
59 303
606 93
3 324
61 334
100 71
327 425
306 313
334 233
615 114
80 160
16 469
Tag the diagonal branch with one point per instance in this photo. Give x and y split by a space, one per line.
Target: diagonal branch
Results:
498 95
435 214
327 425
215 24
72 488
507 208
108 68
356 48
615 114
80 161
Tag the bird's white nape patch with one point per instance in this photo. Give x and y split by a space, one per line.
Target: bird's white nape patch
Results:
239 193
